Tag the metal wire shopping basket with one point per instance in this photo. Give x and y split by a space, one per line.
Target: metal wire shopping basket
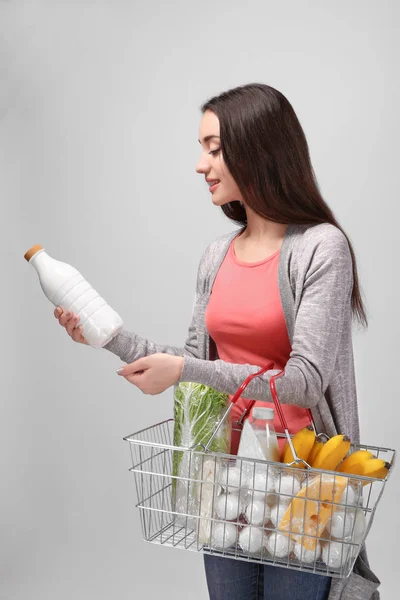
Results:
254 510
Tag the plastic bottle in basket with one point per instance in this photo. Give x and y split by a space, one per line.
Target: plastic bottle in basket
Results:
64 286
258 438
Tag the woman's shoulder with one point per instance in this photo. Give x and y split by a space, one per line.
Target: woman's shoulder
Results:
320 238
319 232
318 251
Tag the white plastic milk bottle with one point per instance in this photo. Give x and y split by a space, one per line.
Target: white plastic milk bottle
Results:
258 439
262 423
64 286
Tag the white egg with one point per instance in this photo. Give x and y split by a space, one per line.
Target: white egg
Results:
266 468
288 485
257 512
360 525
277 512
352 496
279 545
251 539
261 483
341 524
231 478
229 506
335 554
305 555
223 535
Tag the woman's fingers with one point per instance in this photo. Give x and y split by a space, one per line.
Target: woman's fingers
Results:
67 319
62 316
70 322
77 334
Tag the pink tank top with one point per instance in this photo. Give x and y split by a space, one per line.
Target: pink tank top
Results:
245 318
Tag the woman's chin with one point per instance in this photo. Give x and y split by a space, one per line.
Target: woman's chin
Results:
219 201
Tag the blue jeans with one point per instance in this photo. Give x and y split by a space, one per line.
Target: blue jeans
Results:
230 579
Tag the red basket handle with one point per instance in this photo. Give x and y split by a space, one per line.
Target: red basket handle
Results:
252 402
274 394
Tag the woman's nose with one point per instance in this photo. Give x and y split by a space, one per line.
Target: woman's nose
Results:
202 166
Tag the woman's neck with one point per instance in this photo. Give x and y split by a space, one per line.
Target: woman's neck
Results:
259 229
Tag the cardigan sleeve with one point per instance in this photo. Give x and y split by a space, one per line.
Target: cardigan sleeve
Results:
130 347
324 306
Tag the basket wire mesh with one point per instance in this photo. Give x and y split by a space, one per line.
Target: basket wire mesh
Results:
263 491
291 516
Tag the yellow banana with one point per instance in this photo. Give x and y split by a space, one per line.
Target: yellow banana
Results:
375 467
354 459
332 453
315 450
372 467
302 441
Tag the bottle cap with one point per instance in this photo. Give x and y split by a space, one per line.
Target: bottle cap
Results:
32 251
263 413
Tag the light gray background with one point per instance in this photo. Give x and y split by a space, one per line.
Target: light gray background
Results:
99 107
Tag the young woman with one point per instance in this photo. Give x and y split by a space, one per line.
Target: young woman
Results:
283 288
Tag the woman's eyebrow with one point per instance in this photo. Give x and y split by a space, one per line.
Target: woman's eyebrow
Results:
209 137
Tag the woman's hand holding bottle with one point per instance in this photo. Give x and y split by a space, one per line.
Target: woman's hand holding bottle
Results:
70 321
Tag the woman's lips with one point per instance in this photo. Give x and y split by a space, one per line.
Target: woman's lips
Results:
214 187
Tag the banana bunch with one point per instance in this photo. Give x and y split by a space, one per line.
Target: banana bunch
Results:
317 454
363 462
331 455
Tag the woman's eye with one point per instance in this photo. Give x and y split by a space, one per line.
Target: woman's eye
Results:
213 152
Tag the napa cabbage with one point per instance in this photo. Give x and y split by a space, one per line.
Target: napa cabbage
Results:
198 410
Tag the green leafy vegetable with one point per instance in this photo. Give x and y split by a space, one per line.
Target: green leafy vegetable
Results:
198 410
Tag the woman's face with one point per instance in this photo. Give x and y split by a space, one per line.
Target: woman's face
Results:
211 164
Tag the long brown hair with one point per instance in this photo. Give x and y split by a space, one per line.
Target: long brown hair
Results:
266 152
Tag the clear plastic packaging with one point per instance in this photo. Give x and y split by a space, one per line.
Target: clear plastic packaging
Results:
258 438
198 410
64 286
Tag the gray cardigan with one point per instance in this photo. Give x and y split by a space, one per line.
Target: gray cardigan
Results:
315 282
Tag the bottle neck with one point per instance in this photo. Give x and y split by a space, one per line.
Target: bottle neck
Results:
40 258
